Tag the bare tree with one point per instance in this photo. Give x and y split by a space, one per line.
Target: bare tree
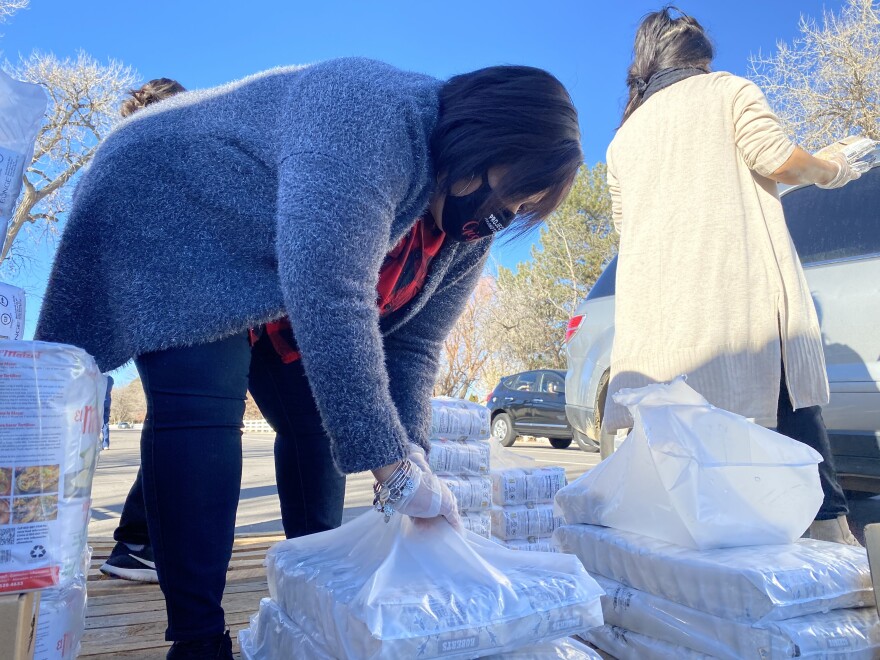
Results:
128 403
826 84
83 99
9 7
469 346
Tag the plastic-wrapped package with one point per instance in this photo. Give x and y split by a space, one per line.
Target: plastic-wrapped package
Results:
22 106
456 419
522 522
51 411
698 476
752 584
531 544
398 590
853 631
478 522
628 645
471 493
452 457
518 479
62 619
12 308
274 636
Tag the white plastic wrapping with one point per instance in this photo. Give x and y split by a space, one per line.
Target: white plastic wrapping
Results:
471 493
457 419
854 631
397 590
532 544
523 522
696 475
754 584
516 481
12 309
452 457
274 636
62 619
625 644
51 412
478 522
22 106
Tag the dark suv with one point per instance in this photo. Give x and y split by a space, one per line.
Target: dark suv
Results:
530 403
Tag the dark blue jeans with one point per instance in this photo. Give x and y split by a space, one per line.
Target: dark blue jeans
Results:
191 466
806 425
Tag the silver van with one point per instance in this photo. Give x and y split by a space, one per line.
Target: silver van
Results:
837 235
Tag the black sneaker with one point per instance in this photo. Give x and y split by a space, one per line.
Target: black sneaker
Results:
128 564
217 647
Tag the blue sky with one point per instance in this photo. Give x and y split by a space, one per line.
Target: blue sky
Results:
586 44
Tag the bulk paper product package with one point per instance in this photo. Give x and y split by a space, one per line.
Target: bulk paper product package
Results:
853 632
537 485
478 522
400 590
698 476
856 150
12 307
452 457
752 584
22 106
532 544
628 645
456 419
471 493
274 636
62 619
523 522
51 407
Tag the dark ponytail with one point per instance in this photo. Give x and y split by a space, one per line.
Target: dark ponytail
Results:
154 91
664 42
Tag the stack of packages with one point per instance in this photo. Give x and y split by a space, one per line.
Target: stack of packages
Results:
522 497
692 528
460 457
404 590
51 409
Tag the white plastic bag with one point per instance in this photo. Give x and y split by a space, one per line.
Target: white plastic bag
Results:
853 631
397 590
625 644
51 412
698 476
12 308
274 636
754 584
22 106
62 619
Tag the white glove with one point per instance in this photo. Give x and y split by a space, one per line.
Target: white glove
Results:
430 497
846 171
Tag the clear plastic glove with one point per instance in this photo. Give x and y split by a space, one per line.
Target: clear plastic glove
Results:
846 171
430 497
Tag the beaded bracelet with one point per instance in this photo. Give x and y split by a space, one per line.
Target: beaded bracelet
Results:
400 484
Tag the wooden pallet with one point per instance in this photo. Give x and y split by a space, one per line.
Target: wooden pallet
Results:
127 620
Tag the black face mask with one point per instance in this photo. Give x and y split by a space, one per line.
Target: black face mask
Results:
460 219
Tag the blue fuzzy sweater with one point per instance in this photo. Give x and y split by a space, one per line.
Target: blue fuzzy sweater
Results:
219 210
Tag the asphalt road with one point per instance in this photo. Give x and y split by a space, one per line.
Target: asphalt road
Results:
258 506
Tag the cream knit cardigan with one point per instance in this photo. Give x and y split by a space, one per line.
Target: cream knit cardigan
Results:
708 281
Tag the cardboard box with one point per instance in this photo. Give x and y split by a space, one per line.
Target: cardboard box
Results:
18 625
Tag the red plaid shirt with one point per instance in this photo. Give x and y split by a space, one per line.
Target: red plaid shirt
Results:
401 278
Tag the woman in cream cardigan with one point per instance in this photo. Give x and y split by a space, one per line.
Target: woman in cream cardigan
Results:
708 280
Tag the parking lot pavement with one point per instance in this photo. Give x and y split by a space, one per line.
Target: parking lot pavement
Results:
258 506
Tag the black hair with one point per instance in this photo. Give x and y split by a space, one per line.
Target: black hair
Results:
664 42
518 117
154 91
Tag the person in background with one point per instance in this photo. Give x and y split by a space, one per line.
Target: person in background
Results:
708 280
132 556
105 429
357 200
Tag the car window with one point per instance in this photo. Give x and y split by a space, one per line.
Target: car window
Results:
527 382
604 286
509 382
553 383
835 224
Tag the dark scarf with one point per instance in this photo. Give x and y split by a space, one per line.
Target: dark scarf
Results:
663 79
